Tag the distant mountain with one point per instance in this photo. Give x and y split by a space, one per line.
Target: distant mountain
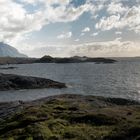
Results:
9 51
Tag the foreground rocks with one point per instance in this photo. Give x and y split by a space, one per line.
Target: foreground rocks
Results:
74 117
14 82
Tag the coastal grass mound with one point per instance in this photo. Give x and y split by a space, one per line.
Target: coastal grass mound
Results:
73 117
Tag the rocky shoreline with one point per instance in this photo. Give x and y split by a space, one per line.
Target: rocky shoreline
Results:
74 117
17 82
67 116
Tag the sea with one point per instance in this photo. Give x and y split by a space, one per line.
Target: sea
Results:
119 80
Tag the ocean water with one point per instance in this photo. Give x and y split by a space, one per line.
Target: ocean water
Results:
121 79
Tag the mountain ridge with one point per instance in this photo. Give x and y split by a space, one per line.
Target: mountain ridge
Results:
9 51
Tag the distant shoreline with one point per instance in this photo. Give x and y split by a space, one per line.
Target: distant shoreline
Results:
49 59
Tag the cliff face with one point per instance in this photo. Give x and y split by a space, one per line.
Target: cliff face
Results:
7 50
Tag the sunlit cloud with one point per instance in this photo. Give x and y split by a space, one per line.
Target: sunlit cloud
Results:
70 22
65 35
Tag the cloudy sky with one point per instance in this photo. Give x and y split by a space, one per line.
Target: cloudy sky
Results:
72 27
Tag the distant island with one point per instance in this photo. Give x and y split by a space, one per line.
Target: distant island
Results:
49 59
74 59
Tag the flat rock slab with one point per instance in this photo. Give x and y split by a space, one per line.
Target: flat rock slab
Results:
16 82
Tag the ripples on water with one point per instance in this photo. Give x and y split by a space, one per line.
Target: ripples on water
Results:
120 79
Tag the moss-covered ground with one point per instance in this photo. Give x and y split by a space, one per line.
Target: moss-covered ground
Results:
74 117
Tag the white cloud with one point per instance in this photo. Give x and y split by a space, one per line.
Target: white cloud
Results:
107 23
82 34
130 20
77 39
118 39
66 14
65 35
86 29
16 20
95 34
133 19
114 48
28 1
47 2
118 33
114 8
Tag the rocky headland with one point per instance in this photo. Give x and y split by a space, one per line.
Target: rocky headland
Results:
16 82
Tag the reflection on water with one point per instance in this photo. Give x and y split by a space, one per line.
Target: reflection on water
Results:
121 79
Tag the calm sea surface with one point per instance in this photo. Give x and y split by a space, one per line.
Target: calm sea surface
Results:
121 79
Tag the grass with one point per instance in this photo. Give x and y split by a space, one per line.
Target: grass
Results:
63 118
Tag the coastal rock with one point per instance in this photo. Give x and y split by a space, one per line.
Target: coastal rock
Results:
14 82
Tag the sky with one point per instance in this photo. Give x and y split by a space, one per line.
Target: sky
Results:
63 28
